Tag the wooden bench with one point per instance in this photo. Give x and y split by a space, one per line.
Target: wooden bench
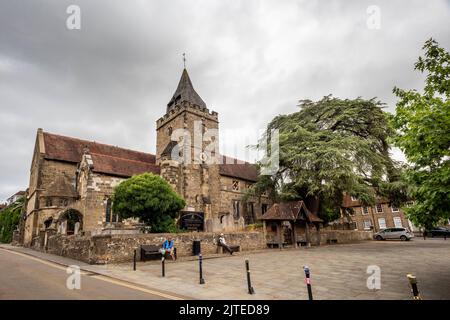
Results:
302 243
276 244
232 248
151 252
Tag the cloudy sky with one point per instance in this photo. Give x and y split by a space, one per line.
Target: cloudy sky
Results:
249 60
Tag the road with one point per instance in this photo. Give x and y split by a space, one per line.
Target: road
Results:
25 277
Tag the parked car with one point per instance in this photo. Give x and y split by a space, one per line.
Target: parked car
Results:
439 232
393 233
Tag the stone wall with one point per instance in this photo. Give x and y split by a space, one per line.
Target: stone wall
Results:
326 235
120 248
342 236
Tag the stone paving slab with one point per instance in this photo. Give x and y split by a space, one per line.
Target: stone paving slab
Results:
338 272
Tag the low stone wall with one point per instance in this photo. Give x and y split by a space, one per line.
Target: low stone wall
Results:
120 248
341 236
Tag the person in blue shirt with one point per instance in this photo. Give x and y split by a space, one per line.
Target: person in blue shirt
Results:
168 247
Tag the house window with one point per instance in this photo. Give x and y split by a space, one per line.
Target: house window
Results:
382 223
398 222
169 131
263 208
379 208
367 224
394 209
235 185
354 198
48 202
236 209
365 210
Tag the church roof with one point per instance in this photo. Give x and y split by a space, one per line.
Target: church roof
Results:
185 92
70 149
106 158
121 167
236 168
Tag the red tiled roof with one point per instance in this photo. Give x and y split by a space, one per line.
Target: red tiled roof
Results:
236 168
121 167
106 158
71 149
290 211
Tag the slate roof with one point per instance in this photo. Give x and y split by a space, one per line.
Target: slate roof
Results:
107 159
185 92
290 211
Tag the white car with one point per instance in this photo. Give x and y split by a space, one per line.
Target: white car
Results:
394 233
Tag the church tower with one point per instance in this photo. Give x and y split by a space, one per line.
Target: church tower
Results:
186 130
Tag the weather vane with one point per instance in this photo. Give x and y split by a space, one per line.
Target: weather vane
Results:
184 60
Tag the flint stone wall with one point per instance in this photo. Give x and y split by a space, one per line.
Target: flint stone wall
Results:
103 249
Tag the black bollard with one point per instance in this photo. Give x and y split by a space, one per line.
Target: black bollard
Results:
134 260
200 262
249 283
415 290
163 267
308 281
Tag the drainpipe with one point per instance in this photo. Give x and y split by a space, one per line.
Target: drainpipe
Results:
373 220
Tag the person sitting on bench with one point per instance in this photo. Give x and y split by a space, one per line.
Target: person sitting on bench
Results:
223 244
168 247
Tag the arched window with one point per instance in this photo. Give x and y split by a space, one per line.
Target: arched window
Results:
169 131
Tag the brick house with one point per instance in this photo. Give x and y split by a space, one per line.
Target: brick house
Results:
72 180
378 217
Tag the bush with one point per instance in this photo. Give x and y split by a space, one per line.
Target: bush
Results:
9 220
149 198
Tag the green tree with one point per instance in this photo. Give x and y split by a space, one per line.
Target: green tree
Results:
422 123
149 198
9 220
330 147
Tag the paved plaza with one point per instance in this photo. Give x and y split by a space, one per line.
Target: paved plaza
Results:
338 272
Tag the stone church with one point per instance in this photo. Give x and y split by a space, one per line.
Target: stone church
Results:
72 180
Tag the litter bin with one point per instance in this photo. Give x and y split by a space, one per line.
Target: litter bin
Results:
196 249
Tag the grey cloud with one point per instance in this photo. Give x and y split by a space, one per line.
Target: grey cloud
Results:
249 60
